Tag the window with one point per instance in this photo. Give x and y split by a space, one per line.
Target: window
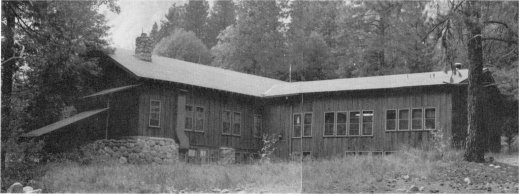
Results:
226 122
403 119
354 123
367 122
199 118
236 127
154 113
391 120
430 118
257 126
297 125
307 128
341 123
329 120
416 122
188 125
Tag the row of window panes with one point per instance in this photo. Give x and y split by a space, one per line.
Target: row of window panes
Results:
154 117
195 119
258 126
413 121
305 126
231 123
353 123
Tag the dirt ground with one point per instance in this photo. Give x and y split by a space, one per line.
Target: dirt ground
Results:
462 177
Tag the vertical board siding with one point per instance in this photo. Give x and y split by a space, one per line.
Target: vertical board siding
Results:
276 117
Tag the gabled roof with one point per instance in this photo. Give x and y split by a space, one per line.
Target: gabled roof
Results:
173 70
63 123
369 83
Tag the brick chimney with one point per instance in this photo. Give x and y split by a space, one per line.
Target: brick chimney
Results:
143 47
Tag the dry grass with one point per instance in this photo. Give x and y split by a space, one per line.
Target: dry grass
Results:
367 174
112 177
348 174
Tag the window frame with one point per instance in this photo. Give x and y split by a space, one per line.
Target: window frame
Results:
435 118
233 122
195 117
230 122
151 112
408 119
396 120
192 117
334 124
293 125
411 119
303 124
257 119
337 123
349 123
362 123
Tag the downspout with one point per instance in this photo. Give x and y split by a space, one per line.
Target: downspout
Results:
107 115
302 126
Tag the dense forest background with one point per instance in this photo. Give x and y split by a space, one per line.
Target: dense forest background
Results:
47 46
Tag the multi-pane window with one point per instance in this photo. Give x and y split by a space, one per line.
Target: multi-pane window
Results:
154 113
391 120
354 123
329 120
307 125
226 122
335 124
403 119
430 118
416 116
341 123
199 118
236 127
258 128
367 122
188 125
297 125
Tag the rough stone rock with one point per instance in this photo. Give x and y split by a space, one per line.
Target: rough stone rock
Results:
123 160
421 189
27 189
467 180
406 177
15 188
225 191
413 188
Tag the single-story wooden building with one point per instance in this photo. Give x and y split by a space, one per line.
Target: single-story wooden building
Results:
204 108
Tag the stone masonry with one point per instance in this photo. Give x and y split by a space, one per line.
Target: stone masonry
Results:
143 47
138 150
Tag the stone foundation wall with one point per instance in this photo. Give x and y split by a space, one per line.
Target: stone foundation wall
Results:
137 150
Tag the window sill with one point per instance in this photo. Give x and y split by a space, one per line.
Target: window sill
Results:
226 134
414 130
194 131
154 127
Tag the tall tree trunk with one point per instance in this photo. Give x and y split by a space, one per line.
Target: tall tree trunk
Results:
475 142
7 71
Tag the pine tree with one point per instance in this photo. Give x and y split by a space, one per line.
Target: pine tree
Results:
154 33
255 44
196 17
222 15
